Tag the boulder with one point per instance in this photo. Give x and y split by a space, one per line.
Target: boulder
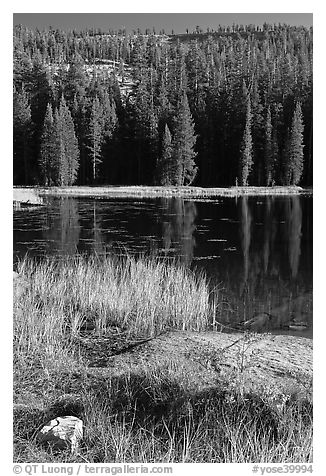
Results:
62 433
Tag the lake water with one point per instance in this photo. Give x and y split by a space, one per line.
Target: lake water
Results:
256 250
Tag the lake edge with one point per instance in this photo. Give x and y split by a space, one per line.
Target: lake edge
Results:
158 192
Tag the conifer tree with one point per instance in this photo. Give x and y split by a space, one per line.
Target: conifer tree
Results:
246 160
184 140
62 176
257 133
153 140
80 117
75 81
269 149
162 105
146 131
164 171
95 136
110 118
40 91
294 158
110 132
68 146
22 132
49 156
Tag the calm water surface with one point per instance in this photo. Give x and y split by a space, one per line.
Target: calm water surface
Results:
256 250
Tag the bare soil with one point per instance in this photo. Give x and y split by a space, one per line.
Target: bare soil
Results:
263 360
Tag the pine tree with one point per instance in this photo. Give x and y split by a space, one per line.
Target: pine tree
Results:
68 146
62 176
96 136
246 153
184 140
146 131
75 81
163 104
38 85
40 93
164 171
110 118
49 156
110 132
294 158
257 133
22 132
269 169
80 117
153 140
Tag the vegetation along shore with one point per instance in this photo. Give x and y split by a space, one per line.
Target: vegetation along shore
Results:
133 347
34 195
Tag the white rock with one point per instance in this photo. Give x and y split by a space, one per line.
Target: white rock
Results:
62 433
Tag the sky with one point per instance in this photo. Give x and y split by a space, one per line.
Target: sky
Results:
178 22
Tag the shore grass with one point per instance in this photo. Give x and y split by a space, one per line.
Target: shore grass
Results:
143 191
154 415
141 297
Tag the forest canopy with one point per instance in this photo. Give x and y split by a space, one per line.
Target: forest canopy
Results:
217 108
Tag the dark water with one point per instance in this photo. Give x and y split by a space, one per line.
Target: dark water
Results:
256 250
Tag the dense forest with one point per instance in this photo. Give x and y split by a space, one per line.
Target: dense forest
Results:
217 108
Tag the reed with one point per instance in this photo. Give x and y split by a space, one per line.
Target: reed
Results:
140 296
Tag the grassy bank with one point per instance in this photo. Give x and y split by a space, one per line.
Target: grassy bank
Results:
155 414
153 192
140 297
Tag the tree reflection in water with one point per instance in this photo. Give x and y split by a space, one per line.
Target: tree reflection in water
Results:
245 234
63 229
267 283
99 246
294 221
269 233
178 227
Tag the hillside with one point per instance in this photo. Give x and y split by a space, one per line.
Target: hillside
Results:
219 108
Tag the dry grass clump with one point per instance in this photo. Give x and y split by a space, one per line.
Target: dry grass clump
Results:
56 298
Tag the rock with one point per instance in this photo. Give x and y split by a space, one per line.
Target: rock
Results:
62 433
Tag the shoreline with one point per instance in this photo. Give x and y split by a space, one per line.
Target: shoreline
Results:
157 192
